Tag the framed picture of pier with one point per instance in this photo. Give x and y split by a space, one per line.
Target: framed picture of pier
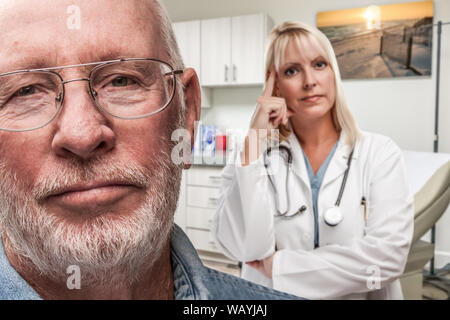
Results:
385 41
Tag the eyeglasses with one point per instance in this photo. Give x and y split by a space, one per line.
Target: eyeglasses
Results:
131 88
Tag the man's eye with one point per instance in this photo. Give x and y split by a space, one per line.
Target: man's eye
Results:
26 91
121 82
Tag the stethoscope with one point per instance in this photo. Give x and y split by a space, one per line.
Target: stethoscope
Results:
333 216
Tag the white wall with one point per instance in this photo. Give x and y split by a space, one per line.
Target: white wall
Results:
400 108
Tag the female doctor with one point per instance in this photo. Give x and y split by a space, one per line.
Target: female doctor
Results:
334 217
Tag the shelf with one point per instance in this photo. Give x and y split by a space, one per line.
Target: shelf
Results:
216 257
219 160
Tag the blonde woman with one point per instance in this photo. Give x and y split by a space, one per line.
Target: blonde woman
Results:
337 221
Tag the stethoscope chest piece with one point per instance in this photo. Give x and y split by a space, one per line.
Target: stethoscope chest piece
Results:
333 216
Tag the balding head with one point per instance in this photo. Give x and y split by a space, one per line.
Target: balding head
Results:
45 28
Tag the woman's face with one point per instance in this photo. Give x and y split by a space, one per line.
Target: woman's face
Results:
305 79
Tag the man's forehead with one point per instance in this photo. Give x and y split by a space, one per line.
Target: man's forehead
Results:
40 61
48 35
31 11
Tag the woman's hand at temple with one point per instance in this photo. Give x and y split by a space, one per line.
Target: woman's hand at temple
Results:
270 112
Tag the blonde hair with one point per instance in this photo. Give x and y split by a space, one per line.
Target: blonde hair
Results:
276 46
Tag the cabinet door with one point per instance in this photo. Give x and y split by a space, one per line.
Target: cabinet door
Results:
216 51
188 39
202 240
248 45
202 197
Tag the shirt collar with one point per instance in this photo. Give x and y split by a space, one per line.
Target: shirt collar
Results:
12 285
187 268
337 165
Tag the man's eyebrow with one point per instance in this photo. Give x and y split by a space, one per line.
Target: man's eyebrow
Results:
26 63
112 55
119 52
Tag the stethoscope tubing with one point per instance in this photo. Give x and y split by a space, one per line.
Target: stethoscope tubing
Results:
344 180
289 162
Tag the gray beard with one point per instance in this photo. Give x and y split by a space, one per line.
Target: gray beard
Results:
108 250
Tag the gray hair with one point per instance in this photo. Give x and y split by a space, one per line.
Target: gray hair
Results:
170 45
167 35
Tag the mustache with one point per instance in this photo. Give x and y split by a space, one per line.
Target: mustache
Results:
97 171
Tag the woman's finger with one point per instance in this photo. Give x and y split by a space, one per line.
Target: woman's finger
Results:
275 118
275 113
270 83
284 119
281 115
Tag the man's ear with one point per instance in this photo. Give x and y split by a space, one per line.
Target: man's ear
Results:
192 99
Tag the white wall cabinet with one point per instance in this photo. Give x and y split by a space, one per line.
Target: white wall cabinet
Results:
232 50
248 36
224 51
188 39
216 51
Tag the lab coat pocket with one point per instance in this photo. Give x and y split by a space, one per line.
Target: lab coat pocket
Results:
351 227
363 216
360 227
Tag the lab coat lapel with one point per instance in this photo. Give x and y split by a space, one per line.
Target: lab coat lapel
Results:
298 161
338 163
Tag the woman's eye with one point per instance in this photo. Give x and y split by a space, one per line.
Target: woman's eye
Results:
321 64
290 72
26 91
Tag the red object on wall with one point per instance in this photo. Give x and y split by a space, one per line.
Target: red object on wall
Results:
221 143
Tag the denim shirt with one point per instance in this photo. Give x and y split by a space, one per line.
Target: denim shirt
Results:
192 280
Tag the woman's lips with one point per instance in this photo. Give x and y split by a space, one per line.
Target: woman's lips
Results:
312 99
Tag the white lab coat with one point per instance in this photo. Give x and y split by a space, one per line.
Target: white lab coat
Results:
357 259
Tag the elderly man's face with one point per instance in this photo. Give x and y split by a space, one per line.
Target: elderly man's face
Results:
87 187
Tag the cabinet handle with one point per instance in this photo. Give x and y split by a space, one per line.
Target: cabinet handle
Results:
214 201
234 72
215 177
212 243
226 73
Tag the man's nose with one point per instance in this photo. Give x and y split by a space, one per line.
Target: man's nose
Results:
82 131
309 80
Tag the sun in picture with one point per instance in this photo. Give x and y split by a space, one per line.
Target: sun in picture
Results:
373 17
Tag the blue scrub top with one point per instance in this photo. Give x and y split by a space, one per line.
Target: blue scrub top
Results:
315 181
